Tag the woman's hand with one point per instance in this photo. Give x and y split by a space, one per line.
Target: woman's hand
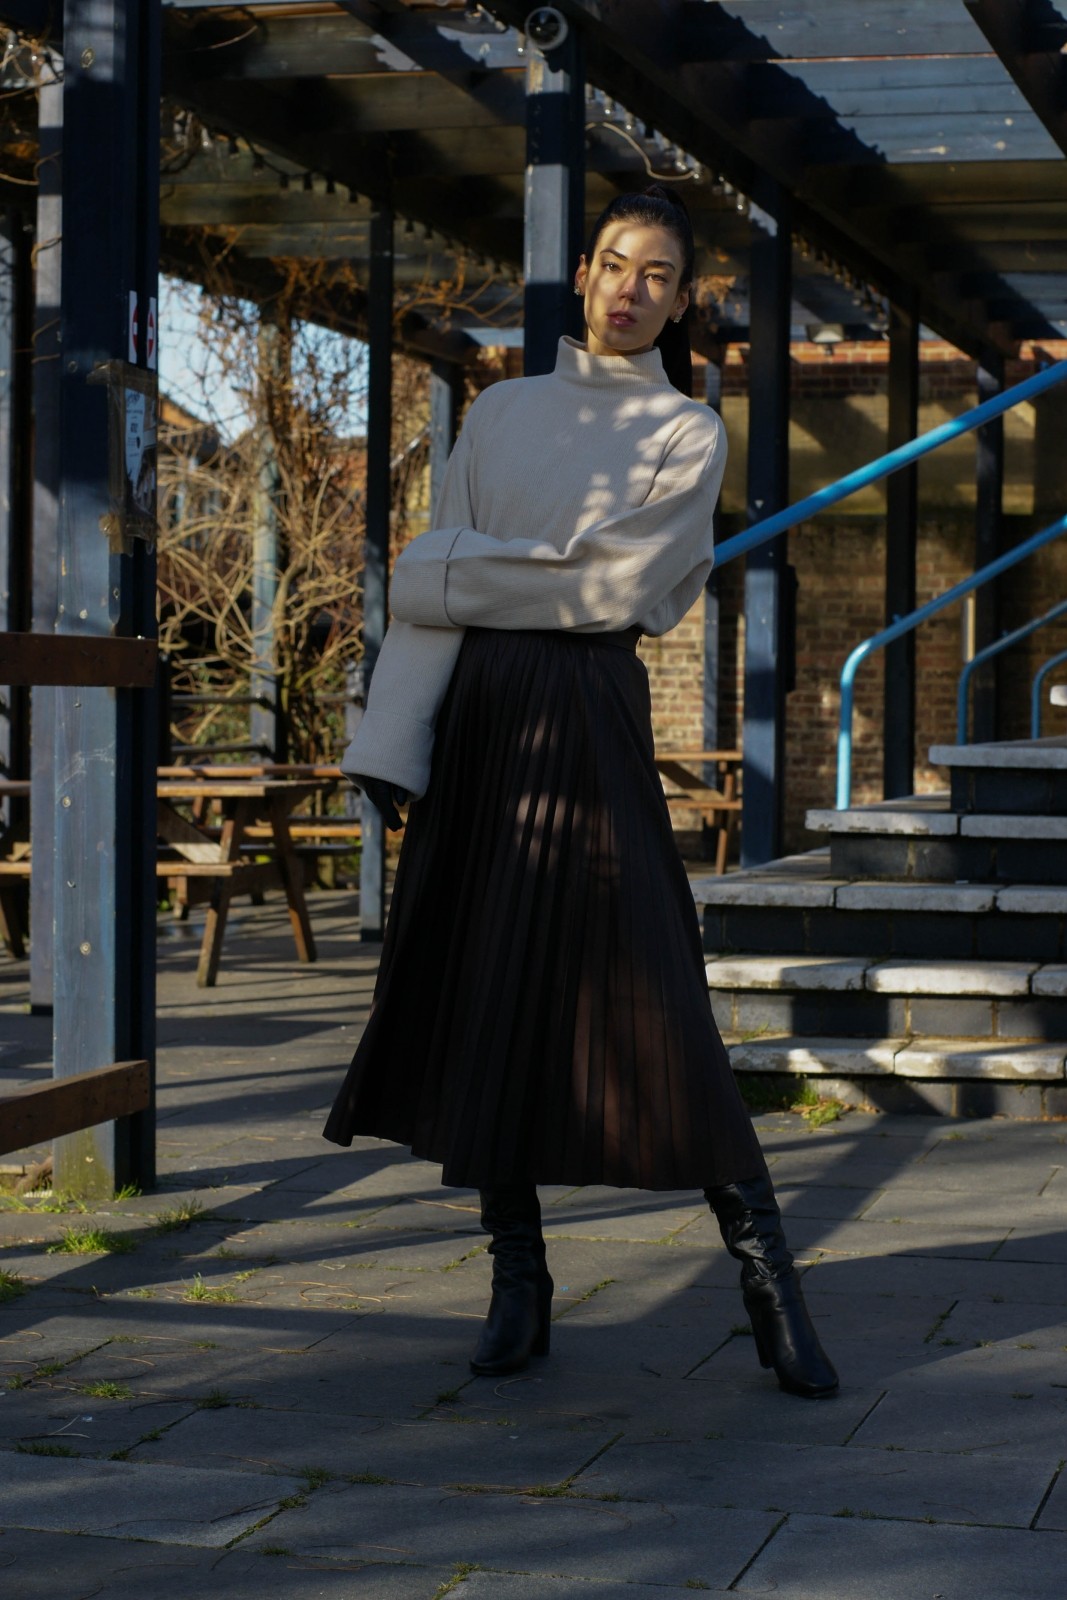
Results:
385 799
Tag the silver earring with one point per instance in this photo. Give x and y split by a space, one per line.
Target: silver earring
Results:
678 318
577 290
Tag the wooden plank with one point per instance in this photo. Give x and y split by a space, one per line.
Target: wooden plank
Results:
77 660
66 1105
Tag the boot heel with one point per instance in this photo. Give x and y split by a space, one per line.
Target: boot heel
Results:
763 1349
544 1331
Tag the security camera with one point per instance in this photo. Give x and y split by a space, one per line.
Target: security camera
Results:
546 27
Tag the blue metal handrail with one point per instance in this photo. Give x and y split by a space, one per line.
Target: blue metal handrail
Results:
1035 691
904 625
885 465
1005 642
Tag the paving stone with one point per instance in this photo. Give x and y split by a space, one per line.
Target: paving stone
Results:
951 977
69 1565
42 1417
512 1586
775 1477
903 1238
967 898
124 1500
785 972
738 890
578 1538
948 1058
995 826
927 1417
1051 979
619 1214
935 1276
818 1558
814 1057
916 822
1032 901
1020 1326
445 1449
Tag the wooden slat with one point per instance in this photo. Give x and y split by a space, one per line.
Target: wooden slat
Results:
66 1105
77 660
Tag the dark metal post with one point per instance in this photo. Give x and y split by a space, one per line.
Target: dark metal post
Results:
555 198
47 376
446 394
767 645
901 539
713 392
988 539
105 739
15 434
376 559
266 722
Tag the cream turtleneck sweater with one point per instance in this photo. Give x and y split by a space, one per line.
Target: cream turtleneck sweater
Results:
581 500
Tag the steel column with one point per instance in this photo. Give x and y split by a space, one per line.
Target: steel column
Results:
376 558
267 723
767 641
105 739
988 540
47 376
15 494
555 198
446 396
902 521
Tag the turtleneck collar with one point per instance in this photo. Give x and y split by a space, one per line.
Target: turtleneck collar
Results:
574 362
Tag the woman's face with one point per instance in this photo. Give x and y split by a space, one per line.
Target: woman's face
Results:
631 286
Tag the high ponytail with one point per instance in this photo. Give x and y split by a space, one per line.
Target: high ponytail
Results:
659 207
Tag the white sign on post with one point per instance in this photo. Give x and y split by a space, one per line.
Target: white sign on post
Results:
131 353
151 353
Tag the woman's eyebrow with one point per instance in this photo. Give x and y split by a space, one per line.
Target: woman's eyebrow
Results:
609 250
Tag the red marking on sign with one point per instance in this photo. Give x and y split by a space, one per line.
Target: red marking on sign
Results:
131 354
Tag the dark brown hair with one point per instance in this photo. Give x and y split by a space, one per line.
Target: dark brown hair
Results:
657 207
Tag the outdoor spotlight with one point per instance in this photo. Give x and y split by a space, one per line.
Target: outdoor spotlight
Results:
547 27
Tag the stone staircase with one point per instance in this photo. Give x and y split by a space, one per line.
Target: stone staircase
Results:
918 962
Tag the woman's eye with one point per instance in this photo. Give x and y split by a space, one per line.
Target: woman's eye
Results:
657 277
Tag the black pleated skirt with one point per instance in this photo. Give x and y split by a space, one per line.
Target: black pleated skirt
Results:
541 1011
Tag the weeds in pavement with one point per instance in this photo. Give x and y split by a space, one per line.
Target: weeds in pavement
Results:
90 1242
11 1286
105 1389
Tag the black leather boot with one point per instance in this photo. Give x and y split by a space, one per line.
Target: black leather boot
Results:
751 1227
517 1326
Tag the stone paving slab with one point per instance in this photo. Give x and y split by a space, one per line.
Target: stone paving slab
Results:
790 1478
1031 1422
123 1500
443 1450
576 1538
819 1558
71 1567
641 1406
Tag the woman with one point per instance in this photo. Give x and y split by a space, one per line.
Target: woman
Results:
541 1013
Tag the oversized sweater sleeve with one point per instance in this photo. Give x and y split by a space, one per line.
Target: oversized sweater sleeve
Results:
645 565
394 740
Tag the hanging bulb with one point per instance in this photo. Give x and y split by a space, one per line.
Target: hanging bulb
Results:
331 187
309 183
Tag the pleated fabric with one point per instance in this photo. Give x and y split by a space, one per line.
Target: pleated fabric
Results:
541 1011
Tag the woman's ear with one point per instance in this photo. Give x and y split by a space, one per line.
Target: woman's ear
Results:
581 275
681 305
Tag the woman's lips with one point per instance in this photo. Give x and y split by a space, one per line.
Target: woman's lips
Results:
619 319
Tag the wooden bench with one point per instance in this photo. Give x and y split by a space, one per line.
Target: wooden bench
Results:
719 806
66 1105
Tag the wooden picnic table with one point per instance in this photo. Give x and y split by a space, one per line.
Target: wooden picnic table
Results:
243 802
719 804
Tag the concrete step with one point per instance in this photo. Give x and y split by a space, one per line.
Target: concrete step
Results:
871 998
921 838
1014 776
935 1075
799 904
